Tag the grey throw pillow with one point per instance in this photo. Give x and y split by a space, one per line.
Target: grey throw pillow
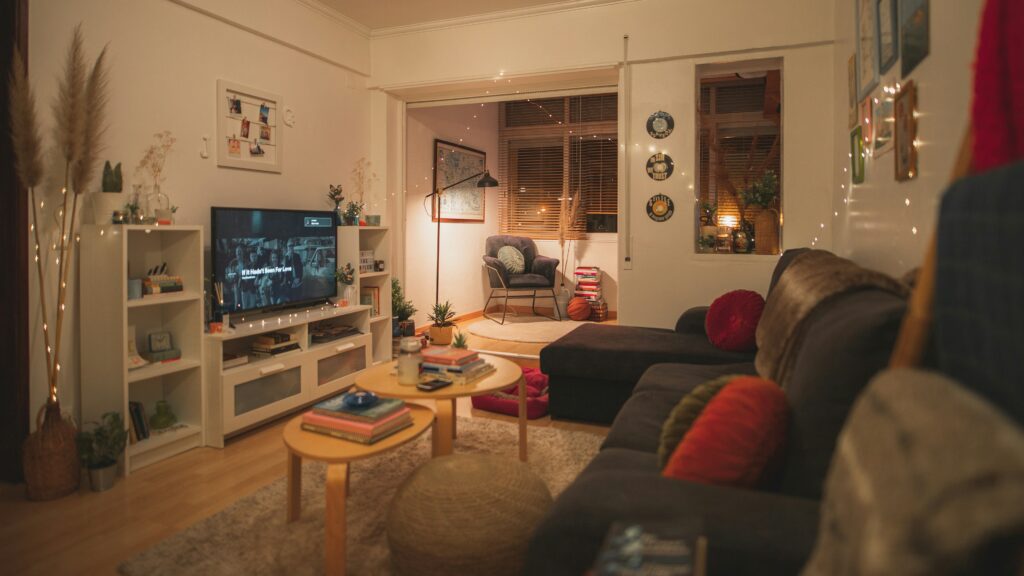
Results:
513 259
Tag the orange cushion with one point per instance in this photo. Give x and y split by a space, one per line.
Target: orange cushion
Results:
737 437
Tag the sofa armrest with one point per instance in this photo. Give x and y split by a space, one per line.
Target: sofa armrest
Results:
497 274
748 532
692 321
546 267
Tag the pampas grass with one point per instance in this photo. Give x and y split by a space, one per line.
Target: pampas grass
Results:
79 114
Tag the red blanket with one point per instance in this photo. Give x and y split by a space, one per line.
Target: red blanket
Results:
998 114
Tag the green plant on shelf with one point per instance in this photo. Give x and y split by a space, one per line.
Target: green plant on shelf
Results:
762 192
401 309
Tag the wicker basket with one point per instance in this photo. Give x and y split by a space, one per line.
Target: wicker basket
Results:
50 457
766 232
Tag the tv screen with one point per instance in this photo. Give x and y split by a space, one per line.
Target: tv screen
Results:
273 258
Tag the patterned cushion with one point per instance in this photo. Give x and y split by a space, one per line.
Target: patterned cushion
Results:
513 259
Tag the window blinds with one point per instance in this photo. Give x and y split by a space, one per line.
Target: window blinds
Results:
550 151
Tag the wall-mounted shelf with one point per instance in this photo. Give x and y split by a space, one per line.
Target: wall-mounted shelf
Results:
159 299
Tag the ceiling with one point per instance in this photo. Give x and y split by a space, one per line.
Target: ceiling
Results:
376 14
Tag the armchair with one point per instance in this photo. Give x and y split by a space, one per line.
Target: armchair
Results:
538 276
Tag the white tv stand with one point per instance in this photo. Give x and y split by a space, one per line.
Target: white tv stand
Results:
242 397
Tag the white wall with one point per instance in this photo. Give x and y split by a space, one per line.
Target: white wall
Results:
875 226
463 279
165 59
668 38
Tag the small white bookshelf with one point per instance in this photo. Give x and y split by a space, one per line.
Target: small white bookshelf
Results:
110 255
351 241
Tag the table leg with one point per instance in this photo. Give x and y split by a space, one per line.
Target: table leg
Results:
294 486
443 428
334 547
455 418
522 419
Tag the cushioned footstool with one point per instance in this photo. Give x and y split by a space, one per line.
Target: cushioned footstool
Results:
465 514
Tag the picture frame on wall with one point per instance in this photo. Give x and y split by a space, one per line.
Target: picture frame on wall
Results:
249 134
867 47
884 125
888 34
906 132
851 75
914 34
454 163
857 155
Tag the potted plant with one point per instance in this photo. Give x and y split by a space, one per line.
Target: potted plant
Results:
352 211
460 341
100 448
336 197
441 330
401 311
764 192
346 276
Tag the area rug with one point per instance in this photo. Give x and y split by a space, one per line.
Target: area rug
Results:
250 537
524 329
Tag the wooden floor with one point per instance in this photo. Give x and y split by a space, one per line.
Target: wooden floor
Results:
91 533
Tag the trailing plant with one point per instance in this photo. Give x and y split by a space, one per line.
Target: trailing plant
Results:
79 124
401 308
763 191
104 444
346 275
460 341
442 315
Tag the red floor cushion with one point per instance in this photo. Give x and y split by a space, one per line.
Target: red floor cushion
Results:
506 401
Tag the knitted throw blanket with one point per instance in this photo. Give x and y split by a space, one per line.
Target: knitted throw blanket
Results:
926 479
815 278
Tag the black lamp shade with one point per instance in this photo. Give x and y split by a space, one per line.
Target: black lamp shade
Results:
486 181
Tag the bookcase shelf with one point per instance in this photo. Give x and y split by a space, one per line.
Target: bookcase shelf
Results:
351 241
110 255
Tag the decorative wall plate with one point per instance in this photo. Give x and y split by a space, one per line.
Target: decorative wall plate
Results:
659 166
660 124
660 208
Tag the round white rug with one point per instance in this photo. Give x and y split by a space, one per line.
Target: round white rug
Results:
524 329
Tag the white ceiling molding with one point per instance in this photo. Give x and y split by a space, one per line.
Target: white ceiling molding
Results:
566 6
338 17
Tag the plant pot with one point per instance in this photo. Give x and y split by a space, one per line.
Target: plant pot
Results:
351 220
103 479
441 336
766 230
562 302
50 456
406 328
395 330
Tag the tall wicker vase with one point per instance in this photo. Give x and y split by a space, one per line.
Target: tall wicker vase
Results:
766 232
50 457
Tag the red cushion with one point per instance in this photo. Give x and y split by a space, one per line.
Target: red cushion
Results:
731 322
507 401
737 437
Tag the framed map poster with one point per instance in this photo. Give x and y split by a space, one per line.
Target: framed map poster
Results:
867 47
454 163
249 134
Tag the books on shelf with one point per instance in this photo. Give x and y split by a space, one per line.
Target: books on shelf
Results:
448 356
365 425
232 360
329 332
137 414
271 344
272 338
370 296
161 284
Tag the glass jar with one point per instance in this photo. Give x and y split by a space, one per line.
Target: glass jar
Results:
409 361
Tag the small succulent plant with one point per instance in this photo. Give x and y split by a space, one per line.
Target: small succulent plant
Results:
460 340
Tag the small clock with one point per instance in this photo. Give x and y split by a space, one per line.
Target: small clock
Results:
660 124
659 166
159 341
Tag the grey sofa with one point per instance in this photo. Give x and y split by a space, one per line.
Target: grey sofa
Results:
539 275
766 531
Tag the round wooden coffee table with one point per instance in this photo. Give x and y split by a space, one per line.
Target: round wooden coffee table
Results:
337 453
383 381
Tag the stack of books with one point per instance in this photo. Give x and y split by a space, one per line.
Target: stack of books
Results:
457 365
370 296
138 424
329 332
364 424
271 344
162 284
588 287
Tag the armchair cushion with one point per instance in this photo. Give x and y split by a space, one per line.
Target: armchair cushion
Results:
513 259
529 281
546 267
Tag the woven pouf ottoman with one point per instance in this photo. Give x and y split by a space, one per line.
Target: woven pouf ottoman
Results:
465 514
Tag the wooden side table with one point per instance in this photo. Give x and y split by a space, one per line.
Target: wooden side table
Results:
337 454
383 381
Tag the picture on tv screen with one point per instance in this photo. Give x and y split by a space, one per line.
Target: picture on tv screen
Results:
273 258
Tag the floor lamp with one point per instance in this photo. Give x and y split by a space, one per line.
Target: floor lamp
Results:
486 181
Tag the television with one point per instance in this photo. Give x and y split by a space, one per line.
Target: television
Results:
271 259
